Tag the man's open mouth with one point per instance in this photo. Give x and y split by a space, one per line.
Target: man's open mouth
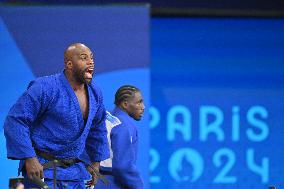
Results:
89 73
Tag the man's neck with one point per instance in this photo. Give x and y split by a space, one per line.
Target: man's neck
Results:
76 86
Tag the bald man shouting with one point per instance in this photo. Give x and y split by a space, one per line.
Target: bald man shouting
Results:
57 127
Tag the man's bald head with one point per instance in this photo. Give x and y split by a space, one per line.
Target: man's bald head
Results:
79 63
72 50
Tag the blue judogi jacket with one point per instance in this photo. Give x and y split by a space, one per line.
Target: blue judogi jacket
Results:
124 145
48 117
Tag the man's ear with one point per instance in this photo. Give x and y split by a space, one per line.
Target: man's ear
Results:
124 104
69 64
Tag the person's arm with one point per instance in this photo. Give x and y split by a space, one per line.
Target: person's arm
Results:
17 128
123 162
97 143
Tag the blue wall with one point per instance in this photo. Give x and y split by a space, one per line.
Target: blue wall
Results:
217 89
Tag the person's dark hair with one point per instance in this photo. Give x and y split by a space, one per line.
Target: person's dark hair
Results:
124 92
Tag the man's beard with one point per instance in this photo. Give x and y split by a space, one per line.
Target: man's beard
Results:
79 76
133 115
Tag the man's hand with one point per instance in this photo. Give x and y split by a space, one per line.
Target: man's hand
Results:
34 168
96 166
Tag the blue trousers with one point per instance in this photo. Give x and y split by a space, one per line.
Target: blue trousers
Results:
59 184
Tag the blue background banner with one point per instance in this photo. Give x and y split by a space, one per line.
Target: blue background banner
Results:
32 42
217 89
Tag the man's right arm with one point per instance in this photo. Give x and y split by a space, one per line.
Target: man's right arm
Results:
17 128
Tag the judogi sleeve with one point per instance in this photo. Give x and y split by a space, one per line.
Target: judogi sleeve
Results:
123 165
18 123
97 143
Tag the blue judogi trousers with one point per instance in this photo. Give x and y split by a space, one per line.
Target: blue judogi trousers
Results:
60 184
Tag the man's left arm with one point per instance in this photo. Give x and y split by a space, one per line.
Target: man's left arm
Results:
97 146
97 143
